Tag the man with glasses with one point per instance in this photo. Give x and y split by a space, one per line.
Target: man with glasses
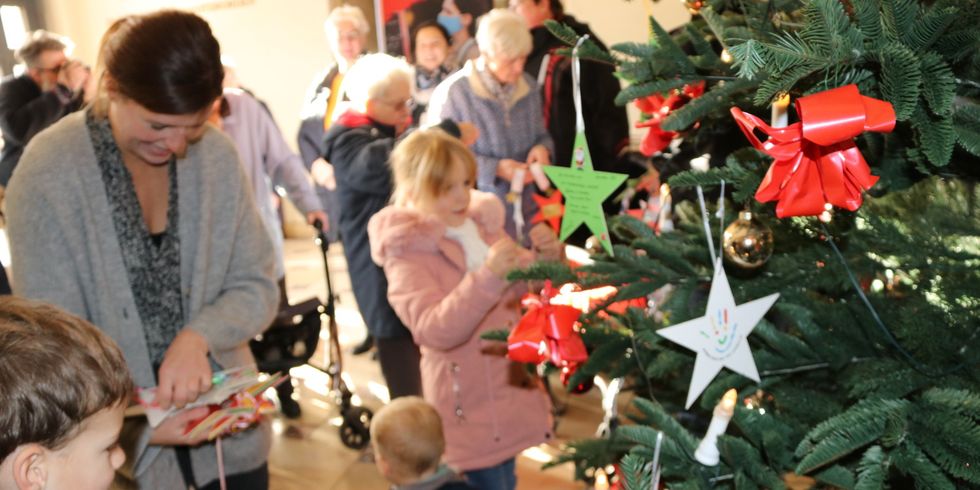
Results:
50 87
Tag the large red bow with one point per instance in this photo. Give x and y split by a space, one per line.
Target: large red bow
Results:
817 161
545 332
658 108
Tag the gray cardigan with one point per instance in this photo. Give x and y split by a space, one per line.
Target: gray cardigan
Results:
65 251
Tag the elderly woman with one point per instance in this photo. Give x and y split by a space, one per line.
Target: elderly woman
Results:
346 29
136 215
503 102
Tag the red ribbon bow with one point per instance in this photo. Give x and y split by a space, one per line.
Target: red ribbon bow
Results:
547 331
658 108
816 160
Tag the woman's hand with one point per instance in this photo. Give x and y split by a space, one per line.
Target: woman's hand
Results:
313 216
506 168
171 431
185 372
545 242
468 133
322 173
539 154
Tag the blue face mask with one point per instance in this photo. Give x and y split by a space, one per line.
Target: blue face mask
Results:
452 23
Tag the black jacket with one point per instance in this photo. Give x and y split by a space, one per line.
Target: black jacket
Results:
24 111
606 125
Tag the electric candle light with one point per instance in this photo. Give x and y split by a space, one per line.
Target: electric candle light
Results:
780 111
707 452
601 480
666 222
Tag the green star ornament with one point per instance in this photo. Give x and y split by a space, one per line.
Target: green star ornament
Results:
584 190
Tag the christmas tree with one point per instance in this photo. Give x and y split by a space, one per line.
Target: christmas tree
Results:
867 363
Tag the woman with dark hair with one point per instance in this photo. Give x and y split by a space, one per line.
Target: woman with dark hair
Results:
137 216
459 19
430 47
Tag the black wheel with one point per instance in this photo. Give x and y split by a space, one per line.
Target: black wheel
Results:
355 431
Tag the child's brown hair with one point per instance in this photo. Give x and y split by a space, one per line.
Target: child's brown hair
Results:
407 435
422 162
56 370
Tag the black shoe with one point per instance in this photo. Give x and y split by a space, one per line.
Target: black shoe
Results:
364 346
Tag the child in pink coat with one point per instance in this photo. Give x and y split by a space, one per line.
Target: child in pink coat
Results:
445 253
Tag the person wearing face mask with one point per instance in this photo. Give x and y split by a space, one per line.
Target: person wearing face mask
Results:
459 19
50 88
430 44
137 216
504 103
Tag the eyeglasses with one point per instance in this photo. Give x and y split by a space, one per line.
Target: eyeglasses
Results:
400 104
55 69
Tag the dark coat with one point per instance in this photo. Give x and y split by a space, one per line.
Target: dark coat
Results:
309 139
24 111
606 125
358 148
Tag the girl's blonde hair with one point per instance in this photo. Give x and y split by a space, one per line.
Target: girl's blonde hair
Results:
422 163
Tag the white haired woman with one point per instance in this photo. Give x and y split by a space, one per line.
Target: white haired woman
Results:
504 104
347 32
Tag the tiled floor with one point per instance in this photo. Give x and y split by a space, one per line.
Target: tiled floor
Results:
307 453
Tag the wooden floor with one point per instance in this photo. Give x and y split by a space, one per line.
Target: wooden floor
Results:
307 453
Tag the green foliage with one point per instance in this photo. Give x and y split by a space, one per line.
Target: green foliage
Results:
852 397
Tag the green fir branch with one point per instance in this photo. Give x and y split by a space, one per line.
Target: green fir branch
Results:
901 79
967 123
940 86
937 137
836 476
841 435
720 95
740 455
872 469
910 460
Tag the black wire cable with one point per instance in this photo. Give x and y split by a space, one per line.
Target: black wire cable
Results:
889 336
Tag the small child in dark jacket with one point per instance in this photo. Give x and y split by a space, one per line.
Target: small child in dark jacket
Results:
408 444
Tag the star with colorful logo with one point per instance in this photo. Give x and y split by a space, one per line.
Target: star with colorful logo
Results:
719 337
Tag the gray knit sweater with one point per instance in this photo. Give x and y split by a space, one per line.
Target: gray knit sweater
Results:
65 251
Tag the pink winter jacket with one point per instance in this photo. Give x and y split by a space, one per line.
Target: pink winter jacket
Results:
486 420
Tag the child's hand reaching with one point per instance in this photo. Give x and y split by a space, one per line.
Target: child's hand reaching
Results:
468 133
545 242
505 255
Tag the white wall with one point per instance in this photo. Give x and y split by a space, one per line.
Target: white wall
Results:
279 45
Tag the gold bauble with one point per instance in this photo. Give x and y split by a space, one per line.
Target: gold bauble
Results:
593 245
747 242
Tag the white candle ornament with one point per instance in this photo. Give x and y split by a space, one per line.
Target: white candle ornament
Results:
780 112
707 452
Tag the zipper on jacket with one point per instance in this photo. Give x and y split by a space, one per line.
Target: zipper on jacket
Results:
493 401
458 410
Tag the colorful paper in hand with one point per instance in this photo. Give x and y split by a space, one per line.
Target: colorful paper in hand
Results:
225 386
584 190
